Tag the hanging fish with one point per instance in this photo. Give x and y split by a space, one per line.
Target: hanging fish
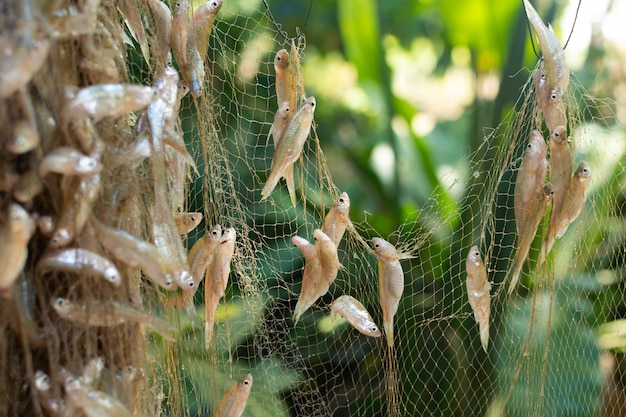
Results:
560 177
202 24
280 120
68 161
336 221
530 177
320 269
92 402
187 222
135 252
390 283
80 261
536 210
478 293
573 205
19 62
130 10
163 28
286 89
14 237
357 315
180 33
289 148
109 314
234 400
551 79
216 279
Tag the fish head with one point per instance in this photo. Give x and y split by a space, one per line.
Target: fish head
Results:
284 110
384 249
583 172
342 204
112 275
548 192
559 135
60 304
20 221
229 236
185 280
215 6
310 104
281 61
473 257
42 381
245 383
536 144
373 330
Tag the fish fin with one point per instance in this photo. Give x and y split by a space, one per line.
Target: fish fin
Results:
514 279
182 150
484 336
389 334
269 186
291 186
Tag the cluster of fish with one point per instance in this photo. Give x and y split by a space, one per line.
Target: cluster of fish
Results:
89 394
566 191
291 125
289 131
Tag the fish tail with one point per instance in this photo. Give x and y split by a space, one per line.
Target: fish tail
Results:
269 186
393 394
291 186
484 335
514 278
389 334
298 311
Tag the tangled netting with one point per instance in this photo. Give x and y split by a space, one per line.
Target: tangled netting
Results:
146 275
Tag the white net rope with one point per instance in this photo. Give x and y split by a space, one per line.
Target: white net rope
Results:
554 344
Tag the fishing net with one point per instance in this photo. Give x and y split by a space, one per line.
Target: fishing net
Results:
555 345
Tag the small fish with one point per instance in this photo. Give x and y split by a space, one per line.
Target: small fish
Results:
551 79
194 72
18 64
25 138
186 222
92 402
320 269
216 279
285 80
390 283
28 187
92 371
79 197
526 232
560 177
53 404
135 252
280 120
234 400
530 177
180 33
478 293
163 28
106 100
356 314
336 221
130 10
202 24
109 314
80 261
14 237
68 161
289 148
201 253
573 205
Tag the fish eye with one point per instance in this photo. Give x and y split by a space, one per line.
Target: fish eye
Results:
476 254
191 284
553 96
60 302
529 146
341 200
168 282
245 382
543 75
373 329
214 4
192 218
